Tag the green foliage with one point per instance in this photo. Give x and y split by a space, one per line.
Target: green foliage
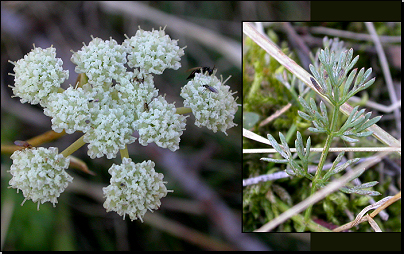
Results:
295 168
358 125
262 92
341 81
331 73
335 80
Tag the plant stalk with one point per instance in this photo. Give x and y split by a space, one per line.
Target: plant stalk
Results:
323 158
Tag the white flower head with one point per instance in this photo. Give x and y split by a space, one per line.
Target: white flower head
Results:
160 124
101 61
134 188
70 110
37 75
135 90
110 129
40 174
211 101
153 51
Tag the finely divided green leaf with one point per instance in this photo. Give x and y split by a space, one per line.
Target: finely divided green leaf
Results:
345 165
276 146
304 104
364 134
285 145
366 185
299 146
308 144
275 160
316 130
304 116
351 65
359 80
369 123
348 139
349 80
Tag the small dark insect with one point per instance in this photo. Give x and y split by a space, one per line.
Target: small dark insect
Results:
23 144
199 70
122 184
146 106
212 89
140 80
315 84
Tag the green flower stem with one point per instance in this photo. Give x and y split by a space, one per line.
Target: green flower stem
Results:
74 147
183 110
323 157
314 227
83 79
124 152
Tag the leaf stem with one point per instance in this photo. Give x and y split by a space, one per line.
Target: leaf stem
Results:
327 145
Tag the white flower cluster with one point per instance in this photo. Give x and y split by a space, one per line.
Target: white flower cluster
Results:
40 174
37 75
160 124
134 189
108 105
138 91
101 61
110 129
211 101
153 51
106 111
70 110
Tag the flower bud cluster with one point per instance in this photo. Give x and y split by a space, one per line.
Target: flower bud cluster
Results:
211 101
134 189
160 124
40 174
37 75
153 52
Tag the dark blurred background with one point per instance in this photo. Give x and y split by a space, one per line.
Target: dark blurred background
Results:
204 211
